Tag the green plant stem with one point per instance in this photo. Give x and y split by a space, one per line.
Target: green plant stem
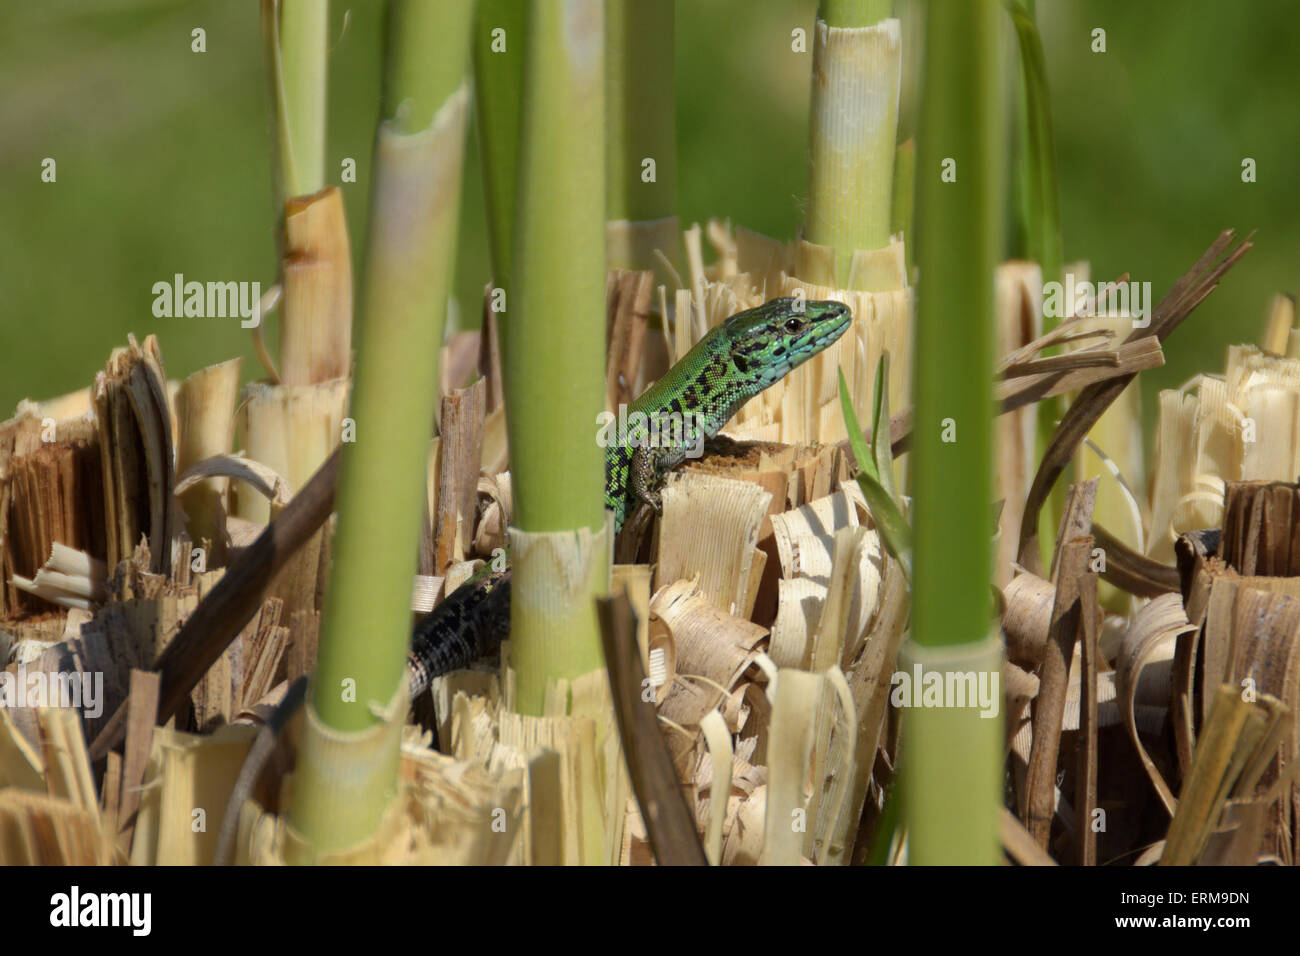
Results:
498 99
886 825
1021 218
304 40
365 625
1040 208
902 205
641 109
641 146
952 765
554 338
853 13
417 84
1041 188
853 130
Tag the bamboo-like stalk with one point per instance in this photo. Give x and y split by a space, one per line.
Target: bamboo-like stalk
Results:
853 13
1039 207
205 407
292 423
316 334
642 129
409 268
498 97
554 339
1039 186
303 30
902 203
1018 225
951 763
857 64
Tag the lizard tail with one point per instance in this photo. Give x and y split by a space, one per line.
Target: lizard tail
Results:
472 621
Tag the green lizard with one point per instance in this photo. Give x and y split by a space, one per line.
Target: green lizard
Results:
690 403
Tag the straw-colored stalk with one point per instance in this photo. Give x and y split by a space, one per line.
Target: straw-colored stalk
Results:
292 423
291 429
1226 742
205 409
1118 436
1019 322
853 128
641 145
1234 427
316 336
554 356
1279 327
358 701
951 760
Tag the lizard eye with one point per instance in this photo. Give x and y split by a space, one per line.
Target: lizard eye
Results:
793 325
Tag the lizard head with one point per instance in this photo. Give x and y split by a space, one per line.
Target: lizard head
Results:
769 341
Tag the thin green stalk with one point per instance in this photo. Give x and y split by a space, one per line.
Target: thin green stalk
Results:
1020 219
852 133
554 342
853 13
642 112
876 467
292 424
641 145
1039 193
951 769
304 43
418 84
1040 187
887 823
1018 226
499 31
347 772
901 212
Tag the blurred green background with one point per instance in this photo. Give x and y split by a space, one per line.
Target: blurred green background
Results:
164 163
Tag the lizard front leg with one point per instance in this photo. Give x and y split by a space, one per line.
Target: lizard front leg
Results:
649 465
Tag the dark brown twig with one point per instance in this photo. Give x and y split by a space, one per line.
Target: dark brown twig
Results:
1049 704
222 614
1012 393
1187 293
1133 572
668 819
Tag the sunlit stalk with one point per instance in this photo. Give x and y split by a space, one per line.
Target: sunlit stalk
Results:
951 759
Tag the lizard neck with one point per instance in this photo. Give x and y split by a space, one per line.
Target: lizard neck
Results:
703 386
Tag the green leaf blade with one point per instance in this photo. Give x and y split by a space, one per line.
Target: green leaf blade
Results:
885 512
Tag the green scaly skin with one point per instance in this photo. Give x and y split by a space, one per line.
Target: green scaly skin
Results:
691 403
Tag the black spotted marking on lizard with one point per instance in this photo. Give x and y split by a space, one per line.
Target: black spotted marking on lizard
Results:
462 636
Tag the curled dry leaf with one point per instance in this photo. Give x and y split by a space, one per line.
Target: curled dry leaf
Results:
1146 658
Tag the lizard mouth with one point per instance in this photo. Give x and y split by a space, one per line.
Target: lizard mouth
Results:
835 327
